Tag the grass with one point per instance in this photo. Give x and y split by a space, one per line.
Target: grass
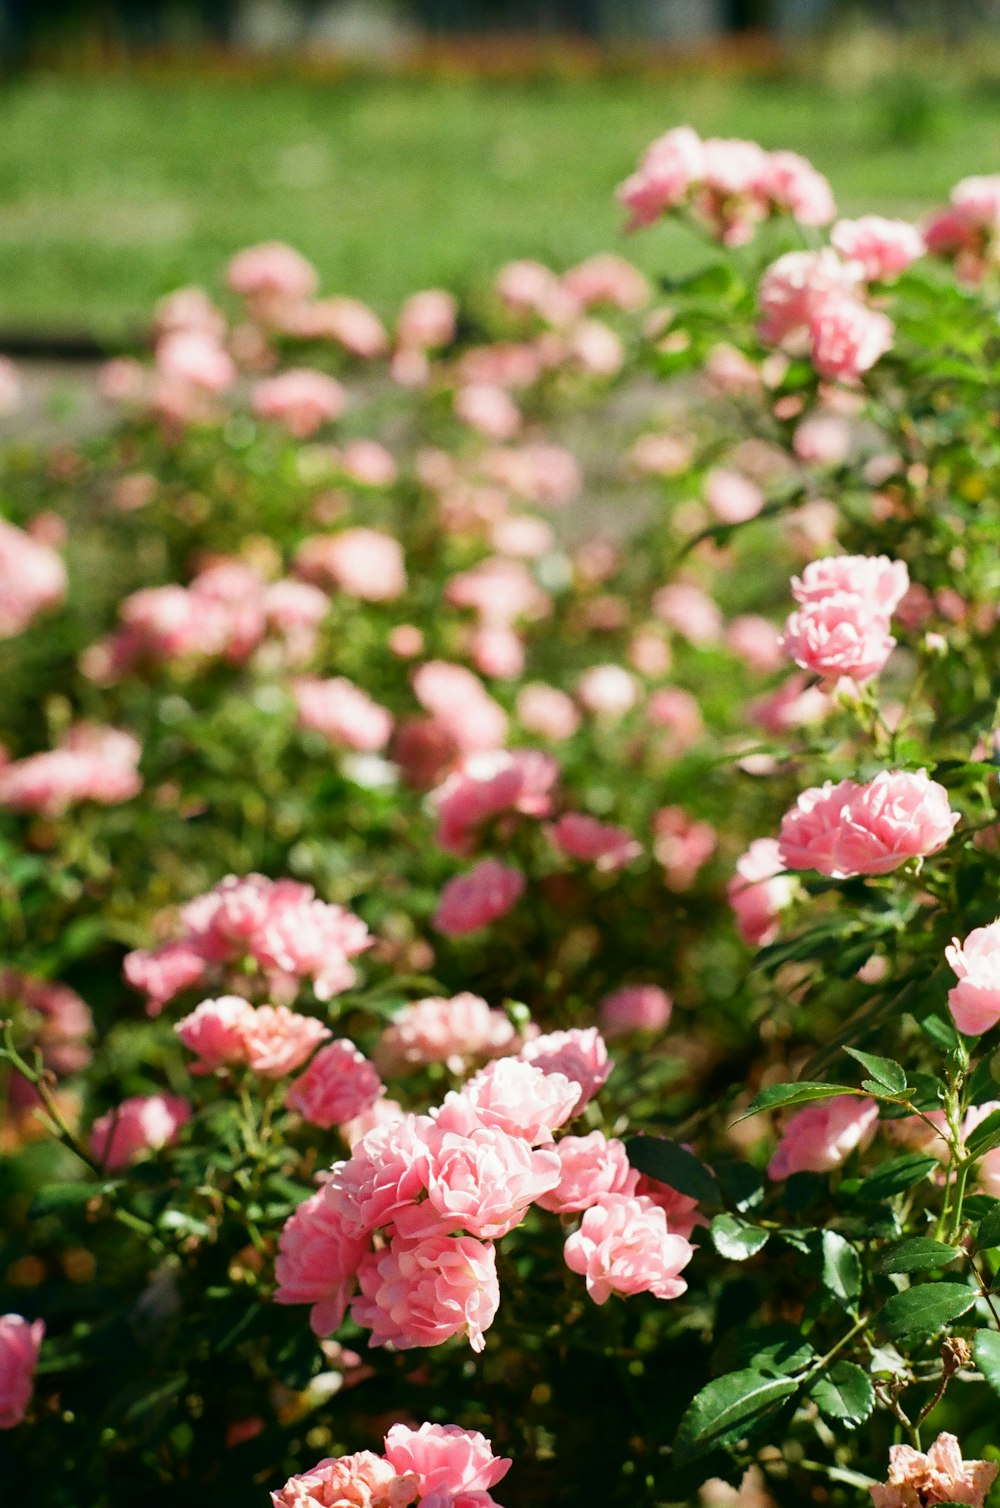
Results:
115 190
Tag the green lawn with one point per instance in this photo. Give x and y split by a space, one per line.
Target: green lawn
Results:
112 191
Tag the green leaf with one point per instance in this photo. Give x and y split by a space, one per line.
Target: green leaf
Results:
986 1349
779 1096
841 1268
985 1136
670 1163
844 1392
895 1177
66 1196
737 1239
925 1310
729 1409
916 1254
988 1233
887 1077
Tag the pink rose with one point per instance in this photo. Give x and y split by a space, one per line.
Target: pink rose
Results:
215 1032
759 891
975 1001
32 579
793 185
482 1180
794 288
880 248
849 829
436 1030
485 785
623 1246
427 320
488 408
635 1008
940 1476
689 611
732 497
607 690
524 1099
670 167
359 1481
343 713
363 563
271 267
584 838
161 973
338 1085
756 642
300 400
480 896
143 1123
420 1293
580 1054
819 1137
444 1458
20 1343
348 322
458 701
839 635
590 1167
680 1209
547 712
607 279
317 1261
847 338
383 1175
875 579
277 1040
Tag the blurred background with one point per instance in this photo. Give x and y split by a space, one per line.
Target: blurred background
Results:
408 143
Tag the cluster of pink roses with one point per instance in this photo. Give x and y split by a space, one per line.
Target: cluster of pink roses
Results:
32 579
728 185
849 829
812 303
278 928
386 1219
434 1466
90 763
841 626
968 231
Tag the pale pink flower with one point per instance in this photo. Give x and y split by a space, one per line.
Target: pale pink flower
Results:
484 785
661 455
678 712
480 896
847 337
527 287
461 705
58 1019
839 635
793 704
793 185
490 409
497 651
364 563
849 829
444 1458
363 1480
301 400
751 1493
669 169
368 464
590 1167
427 320
161 973
214 1032
195 357
819 1137
295 610
92 763
278 1040
579 1054
732 497
317 1261
406 641
522 536
142 1123
188 309
383 1112
420 1293
32 579
796 286
634 1008
759 891
756 641
382 1176
624 1246
596 348
343 713
727 369
975 1001
499 590
482 1180
436 1030
348 321
689 611
880 248
20 1343
547 712
547 475
525 1099
339 1085
875 579
917 1480
505 364
683 845
680 1209
271 268
589 841
607 279
607 690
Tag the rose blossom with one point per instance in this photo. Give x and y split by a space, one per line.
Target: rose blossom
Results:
271 267
607 690
383 1175
489 409
682 845
839 635
20 1343
635 1008
880 248
277 1040
317 1261
623 1246
584 838
689 611
214 1032
342 712
363 563
338 1085
732 497
524 1099
848 829
759 891
591 1166
876 579
482 895
487 784
32 579
420 1293
301 400
444 1458
363 1480
580 1054
606 278
427 320
680 1209
436 1030
847 338
975 1001
482 1180
669 168
940 1476
142 1123
547 712
796 286
819 1137
459 702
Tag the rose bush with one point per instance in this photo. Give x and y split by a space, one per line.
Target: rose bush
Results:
394 717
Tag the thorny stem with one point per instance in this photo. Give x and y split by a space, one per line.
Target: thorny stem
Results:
37 1076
